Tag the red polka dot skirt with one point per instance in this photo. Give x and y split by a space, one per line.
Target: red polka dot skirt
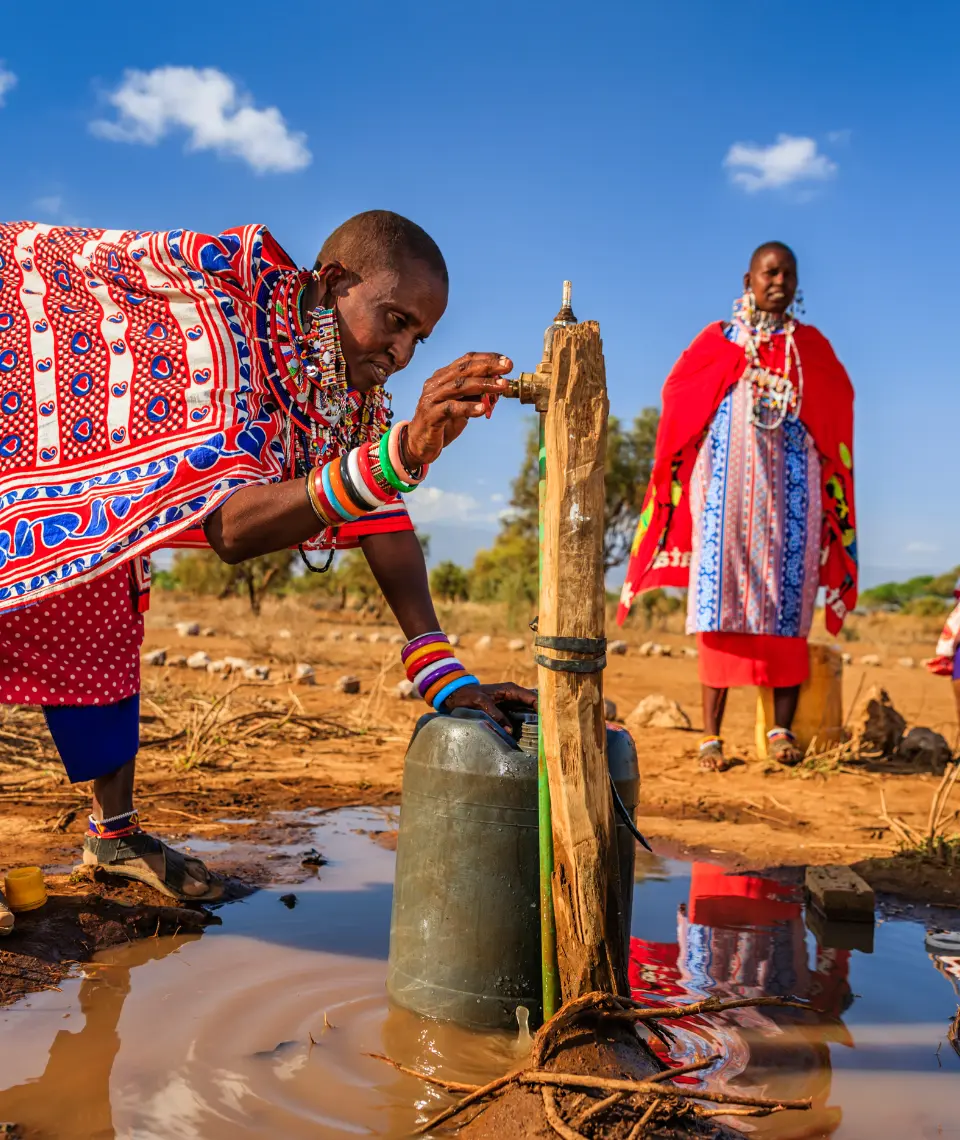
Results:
81 647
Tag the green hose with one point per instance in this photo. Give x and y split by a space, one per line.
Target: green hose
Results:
548 926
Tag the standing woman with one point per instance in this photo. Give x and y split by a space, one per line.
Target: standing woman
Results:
751 499
946 663
165 389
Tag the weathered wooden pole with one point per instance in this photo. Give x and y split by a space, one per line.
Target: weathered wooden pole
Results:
590 942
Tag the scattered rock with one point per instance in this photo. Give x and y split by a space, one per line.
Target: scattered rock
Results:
155 657
208 631
304 674
662 651
877 726
289 901
925 749
397 639
188 628
689 651
375 638
609 709
334 635
349 685
646 650
454 639
617 648
406 690
355 636
906 663
284 634
846 658
484 642
517 645
217 666
177 661
257 673
870 660
658 711
198 660
236 663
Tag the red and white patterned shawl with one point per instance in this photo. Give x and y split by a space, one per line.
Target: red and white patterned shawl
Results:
132 403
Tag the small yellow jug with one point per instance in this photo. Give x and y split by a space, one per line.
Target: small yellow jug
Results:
25 889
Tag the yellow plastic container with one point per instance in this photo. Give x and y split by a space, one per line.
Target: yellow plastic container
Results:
819 719
25 889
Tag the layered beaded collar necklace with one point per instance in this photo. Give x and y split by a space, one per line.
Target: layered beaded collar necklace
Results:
306 371
775 395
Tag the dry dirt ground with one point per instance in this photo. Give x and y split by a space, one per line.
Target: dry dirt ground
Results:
221 749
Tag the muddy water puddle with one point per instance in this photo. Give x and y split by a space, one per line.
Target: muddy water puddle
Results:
259 1027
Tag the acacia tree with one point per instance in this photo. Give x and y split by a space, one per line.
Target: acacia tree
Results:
202 572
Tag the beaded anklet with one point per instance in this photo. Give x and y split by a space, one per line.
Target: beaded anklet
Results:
434 670
116 827
361 480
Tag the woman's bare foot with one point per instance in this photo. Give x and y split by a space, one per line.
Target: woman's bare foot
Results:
712 758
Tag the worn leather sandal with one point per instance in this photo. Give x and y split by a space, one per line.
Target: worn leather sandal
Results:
712 758
126 858
6 917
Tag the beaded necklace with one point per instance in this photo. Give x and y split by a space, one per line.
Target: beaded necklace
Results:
305 368
775 396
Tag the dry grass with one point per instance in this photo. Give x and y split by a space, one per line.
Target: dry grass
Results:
936 844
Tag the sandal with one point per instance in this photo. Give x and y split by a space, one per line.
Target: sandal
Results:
712 758
125 858
782 746
6 917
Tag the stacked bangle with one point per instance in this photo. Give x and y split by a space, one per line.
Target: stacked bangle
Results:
432 667
361 480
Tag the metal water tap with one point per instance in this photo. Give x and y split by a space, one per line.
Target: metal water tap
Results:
534 387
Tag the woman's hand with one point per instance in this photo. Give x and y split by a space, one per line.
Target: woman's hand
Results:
487 697
464 390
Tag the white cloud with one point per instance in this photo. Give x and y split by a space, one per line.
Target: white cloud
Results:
790 159
841 138
434 505
918 547
7 82
52 208
215 114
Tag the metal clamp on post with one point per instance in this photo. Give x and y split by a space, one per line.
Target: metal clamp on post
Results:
593 649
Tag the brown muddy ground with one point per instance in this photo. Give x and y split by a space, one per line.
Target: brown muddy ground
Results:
298 746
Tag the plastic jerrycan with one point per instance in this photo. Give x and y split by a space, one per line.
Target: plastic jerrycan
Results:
465 928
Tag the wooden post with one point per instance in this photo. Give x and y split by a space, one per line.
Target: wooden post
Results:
590 943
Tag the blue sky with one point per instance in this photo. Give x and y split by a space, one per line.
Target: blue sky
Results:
641 150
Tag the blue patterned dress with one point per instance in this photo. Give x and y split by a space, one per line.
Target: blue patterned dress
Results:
755 501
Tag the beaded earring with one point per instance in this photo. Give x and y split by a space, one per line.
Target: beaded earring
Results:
797 308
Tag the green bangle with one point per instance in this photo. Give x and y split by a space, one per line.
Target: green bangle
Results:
387 467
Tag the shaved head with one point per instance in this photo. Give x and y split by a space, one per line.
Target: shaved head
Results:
380 239
771 247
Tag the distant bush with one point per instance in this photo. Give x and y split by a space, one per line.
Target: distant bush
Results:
449 582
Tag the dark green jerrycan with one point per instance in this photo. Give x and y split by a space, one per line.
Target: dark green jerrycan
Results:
465 930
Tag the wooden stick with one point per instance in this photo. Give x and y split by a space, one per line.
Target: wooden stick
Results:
669 1074
453 1086
579 1081
557 1123
644 1120
590 945
477 1095
597 1107
707 1005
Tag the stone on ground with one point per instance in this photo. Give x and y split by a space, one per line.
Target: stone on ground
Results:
238 664
304 674
198 660
925 749
658 711
484 642
871 660
617 648
355 636
188 628
877 727
176 661
846 658
397 639
517 645
689 651
155 657
839 893
348 684
906 662
208 631
334 635
257 673
376 637
646 650
406 690
217 667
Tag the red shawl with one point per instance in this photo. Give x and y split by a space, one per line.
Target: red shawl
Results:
691 396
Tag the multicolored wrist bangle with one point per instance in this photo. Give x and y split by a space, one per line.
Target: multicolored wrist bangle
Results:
432 667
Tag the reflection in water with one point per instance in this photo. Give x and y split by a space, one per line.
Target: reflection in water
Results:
743 936
210 1039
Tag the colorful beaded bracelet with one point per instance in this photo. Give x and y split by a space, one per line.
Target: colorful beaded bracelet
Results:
433 668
